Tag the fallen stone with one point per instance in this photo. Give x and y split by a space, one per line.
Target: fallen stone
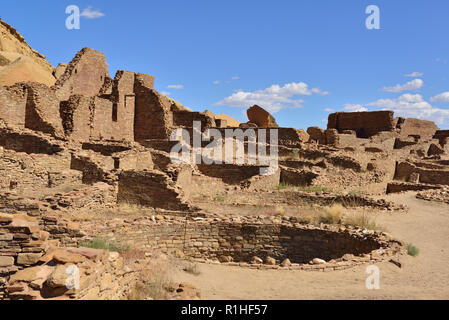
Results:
270 261
318 261
286 263
256 260
28 258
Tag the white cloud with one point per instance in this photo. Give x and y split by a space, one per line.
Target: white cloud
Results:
273 98
175 86
413 106
216 82
354 108
91 14
442 97
329 110
414 74
165 93
409 86
235 78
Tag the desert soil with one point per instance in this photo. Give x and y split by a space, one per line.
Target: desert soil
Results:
426 276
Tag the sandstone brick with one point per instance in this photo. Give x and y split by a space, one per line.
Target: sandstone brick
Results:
6 261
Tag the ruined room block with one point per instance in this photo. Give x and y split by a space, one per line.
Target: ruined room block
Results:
317 134
366 124
221 123
102 120
332 137
442 136
149 188
123 111
42 110
85 75
13 104
435 150
134 161
290 137
144 80
186 119
297 177
423 128
153 116
77 114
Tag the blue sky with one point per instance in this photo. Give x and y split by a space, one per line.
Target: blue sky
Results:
299 59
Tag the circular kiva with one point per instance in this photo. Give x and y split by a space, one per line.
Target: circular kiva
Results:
256 243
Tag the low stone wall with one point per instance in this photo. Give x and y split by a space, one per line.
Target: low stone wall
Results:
407 171
397 187
224 239
34 267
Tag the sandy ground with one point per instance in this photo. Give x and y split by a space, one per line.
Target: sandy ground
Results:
426 276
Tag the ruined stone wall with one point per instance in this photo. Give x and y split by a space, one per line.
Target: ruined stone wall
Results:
366 124
85 75
442 136
123 108
35 172
410 172
295 177
153 116
12 105
186 119
42 110
422 128
150 188
76 114
28 141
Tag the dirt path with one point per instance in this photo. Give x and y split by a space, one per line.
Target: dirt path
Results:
423 277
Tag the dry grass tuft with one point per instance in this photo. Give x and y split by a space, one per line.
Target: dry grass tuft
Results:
363 220
153 283
332 215
192 268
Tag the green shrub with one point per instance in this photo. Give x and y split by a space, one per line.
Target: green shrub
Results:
99 243
219 198
412 250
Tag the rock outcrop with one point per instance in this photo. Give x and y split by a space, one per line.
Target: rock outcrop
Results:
19 62
261 117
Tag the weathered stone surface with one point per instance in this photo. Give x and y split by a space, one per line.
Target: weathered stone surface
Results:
261 117
5 218
28 258
31 274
